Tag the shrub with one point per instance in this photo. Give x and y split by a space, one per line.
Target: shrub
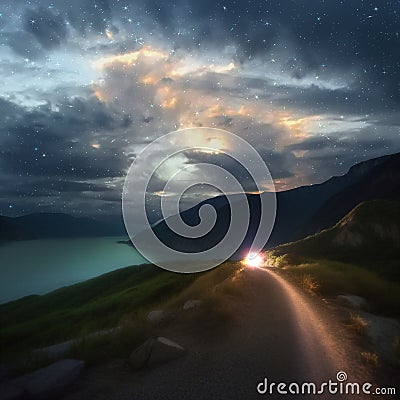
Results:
358 324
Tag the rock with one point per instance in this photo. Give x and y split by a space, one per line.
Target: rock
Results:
8 391
59 350
353 301
139 357
157 316
50 381
383 332
164 350
192 304
154 352
56 351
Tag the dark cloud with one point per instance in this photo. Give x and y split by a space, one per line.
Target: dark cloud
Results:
90 16
24 44
304 37
49 29
61 154
310 36
44 142
281 164
336 60
278 163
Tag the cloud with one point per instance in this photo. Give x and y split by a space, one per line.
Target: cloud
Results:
49 142
312 86
89 16
48 28
62 152
24 44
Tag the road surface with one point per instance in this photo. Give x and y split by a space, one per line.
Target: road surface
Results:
279 334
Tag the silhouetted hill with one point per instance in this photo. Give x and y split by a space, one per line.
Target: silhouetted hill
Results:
53 225
300 211
10 230
380 182
369 235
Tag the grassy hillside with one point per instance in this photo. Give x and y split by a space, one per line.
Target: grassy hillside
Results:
368 236
120 298
359 255
75 310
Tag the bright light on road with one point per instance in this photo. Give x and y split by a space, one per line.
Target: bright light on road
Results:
254 260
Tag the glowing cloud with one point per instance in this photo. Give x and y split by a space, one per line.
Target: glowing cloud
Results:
130 58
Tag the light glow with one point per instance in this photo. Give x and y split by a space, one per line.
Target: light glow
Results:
254 260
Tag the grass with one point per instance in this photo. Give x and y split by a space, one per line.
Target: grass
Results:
120 299
370 358
309 284
98 348
100 303
216 288
333 278
358 325
367 236
205 284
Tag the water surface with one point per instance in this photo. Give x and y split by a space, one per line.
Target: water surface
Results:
40 266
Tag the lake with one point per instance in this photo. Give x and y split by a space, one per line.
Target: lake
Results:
40 266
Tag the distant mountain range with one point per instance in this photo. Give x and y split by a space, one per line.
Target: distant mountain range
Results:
300 211
53 225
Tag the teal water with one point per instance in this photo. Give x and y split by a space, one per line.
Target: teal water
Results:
40 266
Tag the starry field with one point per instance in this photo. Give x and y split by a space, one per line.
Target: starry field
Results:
313 86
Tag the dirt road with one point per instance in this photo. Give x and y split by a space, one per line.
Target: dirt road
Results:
279 334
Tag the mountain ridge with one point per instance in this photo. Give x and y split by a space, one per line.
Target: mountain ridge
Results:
369 235
299 209
53 225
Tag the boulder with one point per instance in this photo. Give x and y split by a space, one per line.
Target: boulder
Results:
351 300
139 357
157 316
155 351
50 381
164 350
56 351
8 391
192 304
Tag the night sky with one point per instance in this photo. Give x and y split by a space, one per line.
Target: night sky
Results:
314 86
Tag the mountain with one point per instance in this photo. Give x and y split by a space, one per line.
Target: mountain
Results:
380 182
308 209
53 225
10 230
300 211
369 235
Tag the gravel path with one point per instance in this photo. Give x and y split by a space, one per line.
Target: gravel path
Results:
278 333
